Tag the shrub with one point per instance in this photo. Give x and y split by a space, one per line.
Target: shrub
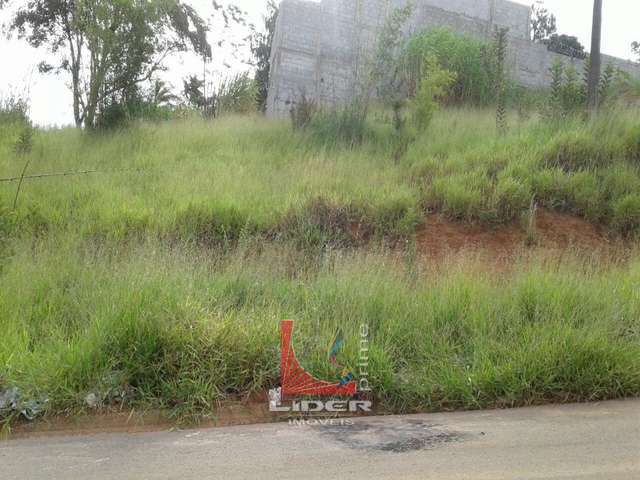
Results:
577 150
15 125
346 125
237 94
565 45
618 181
435 83
511 198
120 113
209 225
14 109
626 215
551 186
632 145
460 196
321 223
471 60
585 196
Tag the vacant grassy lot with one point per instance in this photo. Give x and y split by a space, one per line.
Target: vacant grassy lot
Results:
160 281
207 181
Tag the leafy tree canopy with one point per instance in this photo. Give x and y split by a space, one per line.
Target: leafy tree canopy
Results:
108 46
566 45
543 23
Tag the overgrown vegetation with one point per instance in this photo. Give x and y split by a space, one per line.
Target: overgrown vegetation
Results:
154 270
109 48
472 61
176 328
260 171
261 49
544 30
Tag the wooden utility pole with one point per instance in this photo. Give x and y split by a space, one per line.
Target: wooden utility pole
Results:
595 65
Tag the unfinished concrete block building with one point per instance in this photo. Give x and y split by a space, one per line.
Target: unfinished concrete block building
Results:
319 47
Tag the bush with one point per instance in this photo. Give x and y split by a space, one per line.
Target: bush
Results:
15 125
511 198
237 94
14 109
121 113
435 83
566 45
460 196
626 215
471 60
576 150
209 225
551 186
618 181
345 125
586 196
632 145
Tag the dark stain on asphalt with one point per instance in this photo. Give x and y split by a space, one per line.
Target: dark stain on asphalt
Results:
408 436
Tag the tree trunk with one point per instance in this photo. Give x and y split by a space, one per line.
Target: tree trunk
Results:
595 66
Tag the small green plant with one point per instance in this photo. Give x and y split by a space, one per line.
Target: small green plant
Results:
568 93
606 84
626 215
24 143
236 95
500 48
342 125
433 88
470 59
510 199
573 92
555 98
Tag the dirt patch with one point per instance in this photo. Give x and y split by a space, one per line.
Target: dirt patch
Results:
133 421
440 237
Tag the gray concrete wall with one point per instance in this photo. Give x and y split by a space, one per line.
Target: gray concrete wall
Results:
531 63
320 49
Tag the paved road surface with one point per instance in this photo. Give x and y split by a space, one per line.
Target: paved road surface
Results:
596 441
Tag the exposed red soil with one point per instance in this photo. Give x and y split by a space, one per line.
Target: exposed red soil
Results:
440 237
247 411
227 413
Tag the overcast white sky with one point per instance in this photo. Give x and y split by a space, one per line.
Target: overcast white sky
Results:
51 101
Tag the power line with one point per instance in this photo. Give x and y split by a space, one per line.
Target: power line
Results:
66 174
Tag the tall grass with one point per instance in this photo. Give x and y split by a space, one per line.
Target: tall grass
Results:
161 280
180 328
253 173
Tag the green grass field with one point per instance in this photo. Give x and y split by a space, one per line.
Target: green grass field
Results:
160 281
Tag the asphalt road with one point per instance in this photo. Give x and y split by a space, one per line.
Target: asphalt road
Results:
592 441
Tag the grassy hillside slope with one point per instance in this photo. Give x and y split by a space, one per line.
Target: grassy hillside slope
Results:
159 280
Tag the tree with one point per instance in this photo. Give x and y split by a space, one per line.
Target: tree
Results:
543 23
594 70
108 47
161 94
566 45
635 48
194 92
261 49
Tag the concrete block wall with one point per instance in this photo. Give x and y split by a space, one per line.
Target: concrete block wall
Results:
531 63
320 49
